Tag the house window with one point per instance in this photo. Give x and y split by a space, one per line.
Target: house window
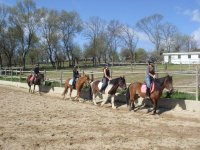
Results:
189 56
179 56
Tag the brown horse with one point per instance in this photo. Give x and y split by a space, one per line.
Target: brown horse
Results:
110 89
36 81
79 85
134 91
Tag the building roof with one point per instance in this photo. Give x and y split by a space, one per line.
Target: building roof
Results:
183 53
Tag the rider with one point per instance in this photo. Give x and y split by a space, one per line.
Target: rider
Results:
36 71
150 76
75 76
106 78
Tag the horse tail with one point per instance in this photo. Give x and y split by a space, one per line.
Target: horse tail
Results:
65 90
127 95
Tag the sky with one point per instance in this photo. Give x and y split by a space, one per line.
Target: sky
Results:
184 14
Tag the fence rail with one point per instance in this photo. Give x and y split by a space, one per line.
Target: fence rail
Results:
60 76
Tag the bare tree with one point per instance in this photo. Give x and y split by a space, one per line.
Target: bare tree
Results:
184 43
130 40
114 30
94 31
70 25
151 26
169 32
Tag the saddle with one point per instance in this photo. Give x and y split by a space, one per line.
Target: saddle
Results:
32 79
71 83
144 87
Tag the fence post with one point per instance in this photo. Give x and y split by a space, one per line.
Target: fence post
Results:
197 84
92 76
61 78
11 74
45 74
20 73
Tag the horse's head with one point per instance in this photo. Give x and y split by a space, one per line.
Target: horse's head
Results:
40 78
122 82
87 79
169 83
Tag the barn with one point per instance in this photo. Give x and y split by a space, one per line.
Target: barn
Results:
182 58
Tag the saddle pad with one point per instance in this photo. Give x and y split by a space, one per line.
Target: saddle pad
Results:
100 85
70 81
144 87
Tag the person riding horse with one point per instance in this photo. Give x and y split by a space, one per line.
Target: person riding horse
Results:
150 76
75 76
36 72
106 78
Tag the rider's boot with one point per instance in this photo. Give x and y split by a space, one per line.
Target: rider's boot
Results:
147 93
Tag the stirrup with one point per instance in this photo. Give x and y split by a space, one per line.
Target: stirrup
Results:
147 97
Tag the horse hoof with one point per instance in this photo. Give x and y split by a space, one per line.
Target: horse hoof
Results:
114 107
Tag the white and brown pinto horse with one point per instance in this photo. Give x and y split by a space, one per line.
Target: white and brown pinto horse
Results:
110 89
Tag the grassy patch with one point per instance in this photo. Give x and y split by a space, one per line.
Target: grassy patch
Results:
179 95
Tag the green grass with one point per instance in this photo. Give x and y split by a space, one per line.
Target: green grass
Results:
179 95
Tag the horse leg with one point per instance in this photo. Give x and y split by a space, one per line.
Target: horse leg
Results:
104 101
113 101
131 105
154 106
34 88
39 89
29 88
70 93
94 98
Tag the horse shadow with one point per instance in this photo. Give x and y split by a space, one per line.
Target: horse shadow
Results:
46 87
164 104
167 104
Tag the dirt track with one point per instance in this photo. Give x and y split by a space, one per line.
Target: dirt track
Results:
30 121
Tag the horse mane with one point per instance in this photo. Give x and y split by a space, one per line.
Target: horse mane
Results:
160 81
115 81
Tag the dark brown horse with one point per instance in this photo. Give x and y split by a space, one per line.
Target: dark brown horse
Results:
36 81
110 89
79 85
134 91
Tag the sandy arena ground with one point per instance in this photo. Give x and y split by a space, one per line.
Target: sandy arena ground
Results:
29 121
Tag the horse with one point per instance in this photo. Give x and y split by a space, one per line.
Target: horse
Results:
79 85
110 89
36 81
134 91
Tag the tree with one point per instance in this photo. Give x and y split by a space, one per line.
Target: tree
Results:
114 30
3 24
169 32
184 43
8 43
70 25
26 18
130 40
152 26
94 31
141 55
50 34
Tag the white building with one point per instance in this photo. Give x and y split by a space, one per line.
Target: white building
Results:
182 58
